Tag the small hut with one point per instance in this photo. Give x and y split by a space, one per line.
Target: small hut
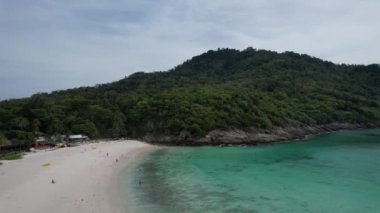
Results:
77 138
43 143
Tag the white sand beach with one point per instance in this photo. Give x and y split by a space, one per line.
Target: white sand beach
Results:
85 178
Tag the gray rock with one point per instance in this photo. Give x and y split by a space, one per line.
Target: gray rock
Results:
252 135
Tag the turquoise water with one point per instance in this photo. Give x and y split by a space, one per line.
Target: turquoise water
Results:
337 172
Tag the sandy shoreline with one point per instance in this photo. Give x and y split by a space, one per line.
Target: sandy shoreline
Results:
85 178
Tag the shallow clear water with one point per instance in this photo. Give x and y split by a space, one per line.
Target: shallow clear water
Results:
337 172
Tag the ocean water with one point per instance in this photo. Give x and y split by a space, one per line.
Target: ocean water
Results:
337 172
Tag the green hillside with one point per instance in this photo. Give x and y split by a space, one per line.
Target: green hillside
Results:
223 89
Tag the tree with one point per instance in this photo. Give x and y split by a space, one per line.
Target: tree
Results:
36 125
3 140
19 123
86 127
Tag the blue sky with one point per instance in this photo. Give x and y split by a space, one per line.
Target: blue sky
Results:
50 45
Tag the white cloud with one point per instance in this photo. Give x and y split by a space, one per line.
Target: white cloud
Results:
50 44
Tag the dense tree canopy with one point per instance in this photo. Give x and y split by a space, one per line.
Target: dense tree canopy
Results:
216 90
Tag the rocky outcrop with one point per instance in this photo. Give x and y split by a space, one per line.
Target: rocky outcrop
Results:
238 136
252 136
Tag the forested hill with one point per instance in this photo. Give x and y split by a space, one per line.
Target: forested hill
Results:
227 89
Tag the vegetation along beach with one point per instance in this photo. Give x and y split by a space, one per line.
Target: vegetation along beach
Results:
221 96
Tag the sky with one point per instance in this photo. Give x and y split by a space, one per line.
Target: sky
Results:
48 45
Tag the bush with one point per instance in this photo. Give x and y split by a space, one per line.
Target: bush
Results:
10 155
